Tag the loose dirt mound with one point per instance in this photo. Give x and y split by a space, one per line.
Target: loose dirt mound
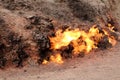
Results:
24 29
26 25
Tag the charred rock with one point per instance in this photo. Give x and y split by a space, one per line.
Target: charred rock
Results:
22 55
104 43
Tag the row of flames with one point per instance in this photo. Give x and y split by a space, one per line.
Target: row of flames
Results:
81 41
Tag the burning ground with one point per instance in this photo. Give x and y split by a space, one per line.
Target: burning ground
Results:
43 33
45 38
76 42
42 42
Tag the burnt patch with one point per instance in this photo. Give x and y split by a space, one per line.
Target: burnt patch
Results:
14 38
43 44
2 22
42 24
35 20
2 62
2 55
22 56
67 51
104 43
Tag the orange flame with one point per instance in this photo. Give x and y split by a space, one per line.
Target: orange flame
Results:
68 36
64 39
111 38
81 41
44 62
57 58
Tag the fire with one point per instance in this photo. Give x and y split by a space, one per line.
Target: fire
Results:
111 27
57 58
111 38
81 41
64 39
44 62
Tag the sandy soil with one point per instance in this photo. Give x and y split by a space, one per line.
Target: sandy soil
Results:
99 65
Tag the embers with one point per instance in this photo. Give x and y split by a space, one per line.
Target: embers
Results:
14 38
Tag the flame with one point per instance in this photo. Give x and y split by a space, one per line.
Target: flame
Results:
81 41
57 58
111 27
68 36
44 62
64 39
111 39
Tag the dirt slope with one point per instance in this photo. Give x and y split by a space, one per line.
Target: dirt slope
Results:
100 65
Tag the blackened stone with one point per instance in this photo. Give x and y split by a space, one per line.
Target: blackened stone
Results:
2 23
28 27
42 41
35 20
2 62
22 55
2 54
40 61
14 38
50 26
115 29
2 46
70 48
65 27
104 43
44 55
67 52
100 29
